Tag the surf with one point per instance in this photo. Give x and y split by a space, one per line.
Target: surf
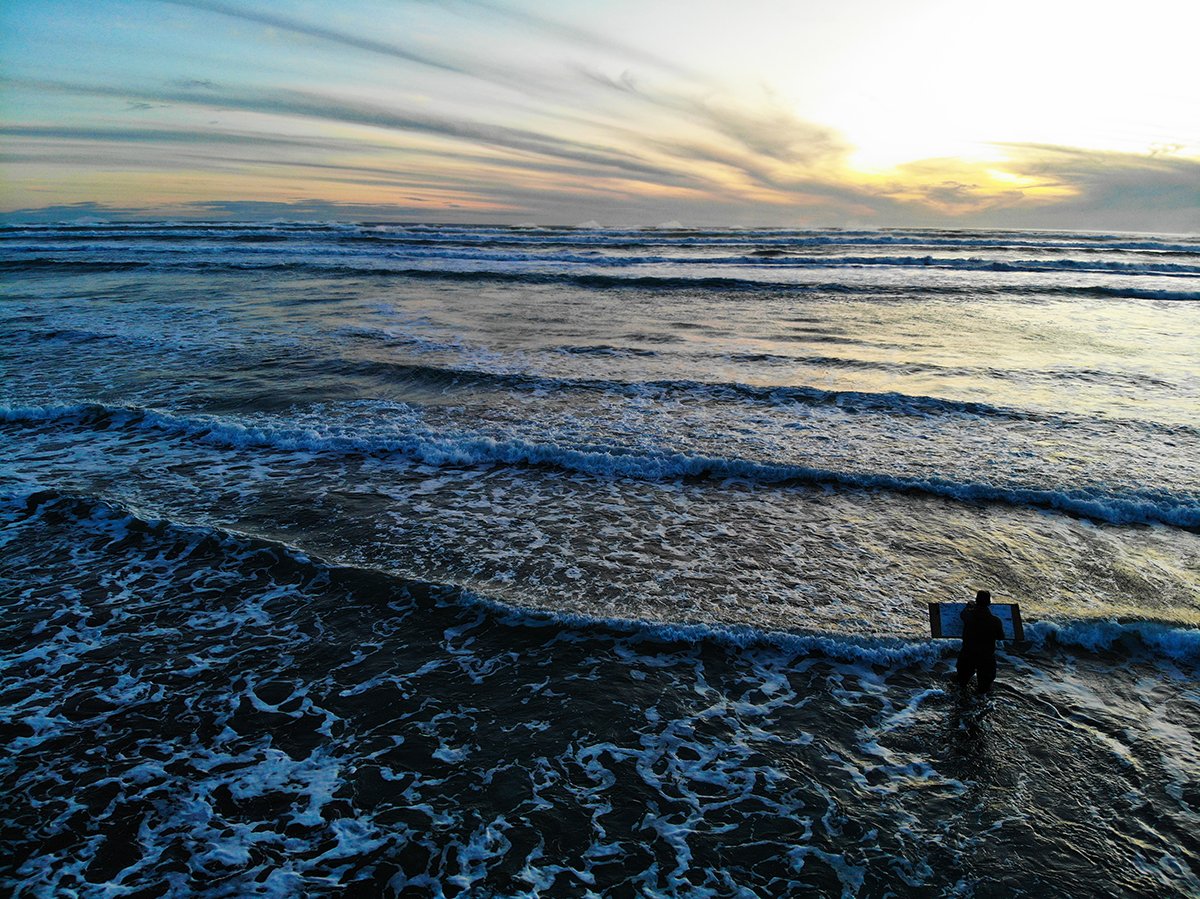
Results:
456 450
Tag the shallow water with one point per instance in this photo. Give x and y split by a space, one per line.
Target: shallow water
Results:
479 561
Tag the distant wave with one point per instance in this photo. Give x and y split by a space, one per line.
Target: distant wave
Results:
457 450
374 259
41 263
502 378
968 264
1140 294
447 377
908 366
593 280
850 401
597 280
451 376
426 235
603 349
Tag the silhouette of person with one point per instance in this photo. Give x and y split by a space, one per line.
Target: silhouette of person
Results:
981 630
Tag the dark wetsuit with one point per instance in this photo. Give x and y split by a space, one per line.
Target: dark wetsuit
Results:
981 630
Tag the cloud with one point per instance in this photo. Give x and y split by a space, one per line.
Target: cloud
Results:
1114 180
339 110
536 83
310 209
585 38
1103 189
69 212
762 128
122 134
50 142
296 26
256 210
776 133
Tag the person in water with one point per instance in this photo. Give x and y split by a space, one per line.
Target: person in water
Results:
981 630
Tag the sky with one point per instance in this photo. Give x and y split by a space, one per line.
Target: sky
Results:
790 113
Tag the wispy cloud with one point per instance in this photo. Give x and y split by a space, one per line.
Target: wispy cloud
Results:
447 60
319 32
584 37
124 134
762 131
345 111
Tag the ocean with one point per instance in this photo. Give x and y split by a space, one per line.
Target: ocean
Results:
424 560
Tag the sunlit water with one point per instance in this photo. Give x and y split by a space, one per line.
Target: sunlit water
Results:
484 561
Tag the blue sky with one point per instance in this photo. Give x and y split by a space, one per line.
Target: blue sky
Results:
767 112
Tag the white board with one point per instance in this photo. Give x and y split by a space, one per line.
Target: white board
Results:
945 619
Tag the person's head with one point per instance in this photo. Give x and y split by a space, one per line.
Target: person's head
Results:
983 598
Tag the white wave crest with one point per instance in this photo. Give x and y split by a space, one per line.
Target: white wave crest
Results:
1179 643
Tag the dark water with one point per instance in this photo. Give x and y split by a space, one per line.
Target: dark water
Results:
374 560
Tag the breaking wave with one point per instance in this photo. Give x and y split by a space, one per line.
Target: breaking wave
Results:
467 449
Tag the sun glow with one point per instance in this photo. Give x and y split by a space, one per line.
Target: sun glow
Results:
938 79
